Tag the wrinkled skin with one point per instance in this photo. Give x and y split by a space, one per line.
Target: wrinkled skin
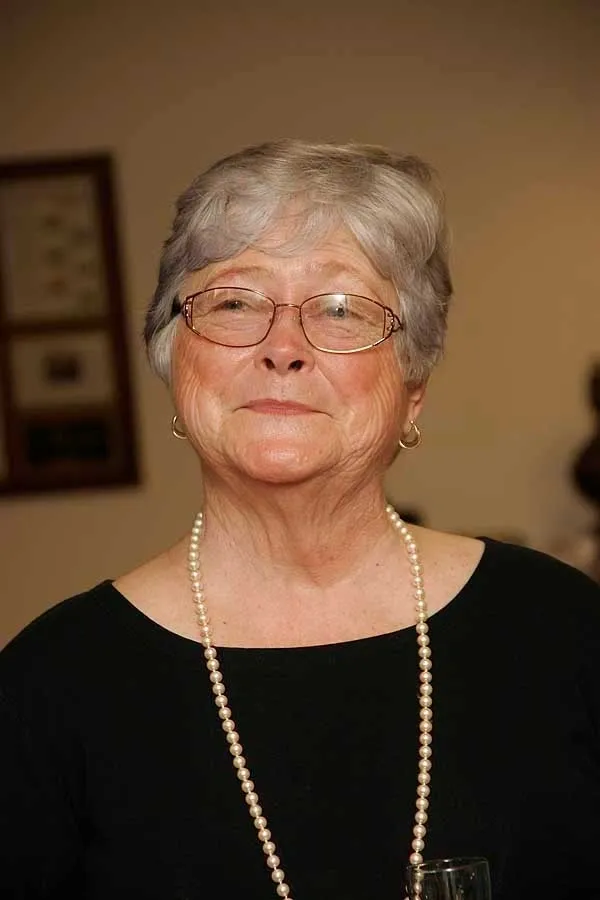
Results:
358 403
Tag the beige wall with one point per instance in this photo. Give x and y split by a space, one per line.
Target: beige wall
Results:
502 96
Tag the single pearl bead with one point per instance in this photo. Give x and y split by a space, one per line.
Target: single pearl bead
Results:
260 822
277 875
273 861
415 859
282 890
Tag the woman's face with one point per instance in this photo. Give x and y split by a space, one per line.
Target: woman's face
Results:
281 411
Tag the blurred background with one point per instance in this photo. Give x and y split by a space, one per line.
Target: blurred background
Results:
501 96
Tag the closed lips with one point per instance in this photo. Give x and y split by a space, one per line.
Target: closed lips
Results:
278 407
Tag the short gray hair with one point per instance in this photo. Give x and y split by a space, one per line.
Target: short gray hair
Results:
390 203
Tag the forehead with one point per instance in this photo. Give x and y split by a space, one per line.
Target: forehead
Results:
335 262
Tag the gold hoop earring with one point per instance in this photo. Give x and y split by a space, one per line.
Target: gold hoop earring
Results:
177 432
411 445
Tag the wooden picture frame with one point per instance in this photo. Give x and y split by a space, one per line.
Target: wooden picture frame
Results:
66 418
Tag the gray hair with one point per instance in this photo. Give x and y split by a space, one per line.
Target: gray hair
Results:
390 203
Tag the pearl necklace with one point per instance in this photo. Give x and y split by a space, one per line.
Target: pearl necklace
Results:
233 738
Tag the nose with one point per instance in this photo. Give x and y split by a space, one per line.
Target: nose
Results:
285 348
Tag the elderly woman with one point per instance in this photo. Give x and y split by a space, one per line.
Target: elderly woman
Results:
251 714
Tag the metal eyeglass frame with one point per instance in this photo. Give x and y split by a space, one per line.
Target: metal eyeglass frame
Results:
392 321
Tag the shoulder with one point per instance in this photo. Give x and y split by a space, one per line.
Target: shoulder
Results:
61 634
511 565
528 596
544 575
513 584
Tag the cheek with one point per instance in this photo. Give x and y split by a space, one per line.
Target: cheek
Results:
185 374
200 376
373 387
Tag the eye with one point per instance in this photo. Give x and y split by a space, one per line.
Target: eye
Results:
232 304
335 306
225 300
338 312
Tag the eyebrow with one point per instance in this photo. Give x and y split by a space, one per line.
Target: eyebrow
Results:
331 268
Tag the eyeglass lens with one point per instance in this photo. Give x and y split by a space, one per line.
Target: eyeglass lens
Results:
240 318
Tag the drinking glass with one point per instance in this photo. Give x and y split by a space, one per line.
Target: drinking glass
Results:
449 879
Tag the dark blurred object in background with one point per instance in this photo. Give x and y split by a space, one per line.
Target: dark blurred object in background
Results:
586 470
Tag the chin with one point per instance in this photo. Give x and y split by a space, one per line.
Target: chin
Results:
282 464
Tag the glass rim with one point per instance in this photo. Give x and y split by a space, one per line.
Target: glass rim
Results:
451 864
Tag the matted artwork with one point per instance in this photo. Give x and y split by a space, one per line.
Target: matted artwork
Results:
65 400
51 249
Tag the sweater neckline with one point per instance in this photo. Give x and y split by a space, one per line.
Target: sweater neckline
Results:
449 615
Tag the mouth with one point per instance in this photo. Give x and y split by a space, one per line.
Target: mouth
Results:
278 407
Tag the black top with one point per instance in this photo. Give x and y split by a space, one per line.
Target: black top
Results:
116 781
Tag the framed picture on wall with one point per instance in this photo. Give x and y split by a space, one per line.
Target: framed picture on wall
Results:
65 395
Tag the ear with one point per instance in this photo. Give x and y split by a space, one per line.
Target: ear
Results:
416 399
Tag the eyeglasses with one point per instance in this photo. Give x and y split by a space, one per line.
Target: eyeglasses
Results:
334 323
